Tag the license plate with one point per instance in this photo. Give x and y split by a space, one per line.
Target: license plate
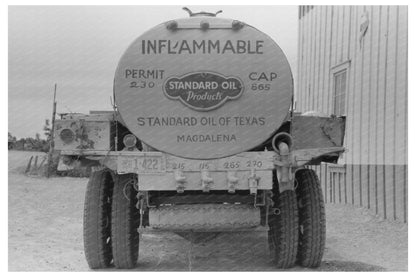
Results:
142 165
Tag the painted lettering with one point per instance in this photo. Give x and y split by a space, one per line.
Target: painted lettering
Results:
163 46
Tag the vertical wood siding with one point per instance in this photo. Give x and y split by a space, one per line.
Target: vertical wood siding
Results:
373 171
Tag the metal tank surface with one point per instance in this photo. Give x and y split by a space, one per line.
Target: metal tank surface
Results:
203 87
203 138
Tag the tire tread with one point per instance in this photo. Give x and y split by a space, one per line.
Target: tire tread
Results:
125 220
311 218
97 214
283 233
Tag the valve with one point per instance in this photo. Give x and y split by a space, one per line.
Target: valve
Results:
180 179
237 25
172 25
253 182
206 180
232 181
284 167
204 25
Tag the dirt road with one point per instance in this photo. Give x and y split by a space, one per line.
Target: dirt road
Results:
45 234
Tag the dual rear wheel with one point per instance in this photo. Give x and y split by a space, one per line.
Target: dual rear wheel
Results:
111 220
297 228
296 235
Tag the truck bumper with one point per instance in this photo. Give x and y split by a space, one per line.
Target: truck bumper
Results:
252 171
160 172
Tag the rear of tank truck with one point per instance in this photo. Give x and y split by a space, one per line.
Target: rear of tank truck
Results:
203 138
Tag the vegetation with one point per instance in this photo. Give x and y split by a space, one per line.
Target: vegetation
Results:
32 144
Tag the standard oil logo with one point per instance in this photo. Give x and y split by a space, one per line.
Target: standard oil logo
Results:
203 91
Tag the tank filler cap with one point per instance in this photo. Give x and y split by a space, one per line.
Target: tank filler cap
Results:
202 13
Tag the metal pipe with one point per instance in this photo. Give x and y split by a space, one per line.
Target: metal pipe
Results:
284 152
282 137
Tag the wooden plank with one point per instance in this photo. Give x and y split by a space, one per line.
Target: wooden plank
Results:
345 187
338 33
364 185
361 182
320 174
338 184
373 187
321 55
301 53
317 91
322 180
358 103
341 187
400 189
380 203
325 69
304 64
406 93
405 197
357 185
322 34
29 165
298 92
345 33
390 195
333 186
312 94
328 58
355 117
348 177
325 181
401 88
330 184
373 91
366 101
381 86
390 89
378 133
309 66
349 104
299 60
352 186
351 25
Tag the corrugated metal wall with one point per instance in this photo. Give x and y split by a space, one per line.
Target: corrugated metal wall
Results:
330 40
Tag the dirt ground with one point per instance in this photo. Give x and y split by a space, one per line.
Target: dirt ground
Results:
45 234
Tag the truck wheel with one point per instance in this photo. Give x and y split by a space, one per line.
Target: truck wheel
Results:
311 218
283 232
125 221
97 219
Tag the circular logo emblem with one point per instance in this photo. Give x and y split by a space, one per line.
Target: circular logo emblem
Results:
203 91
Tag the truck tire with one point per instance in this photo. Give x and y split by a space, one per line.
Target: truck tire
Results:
97 219
283 232
125 221
312 226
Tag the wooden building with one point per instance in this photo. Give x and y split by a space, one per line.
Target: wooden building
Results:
353 62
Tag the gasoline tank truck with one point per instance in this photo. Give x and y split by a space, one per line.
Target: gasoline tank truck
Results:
203 138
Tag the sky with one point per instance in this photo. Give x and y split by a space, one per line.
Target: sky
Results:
78 47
